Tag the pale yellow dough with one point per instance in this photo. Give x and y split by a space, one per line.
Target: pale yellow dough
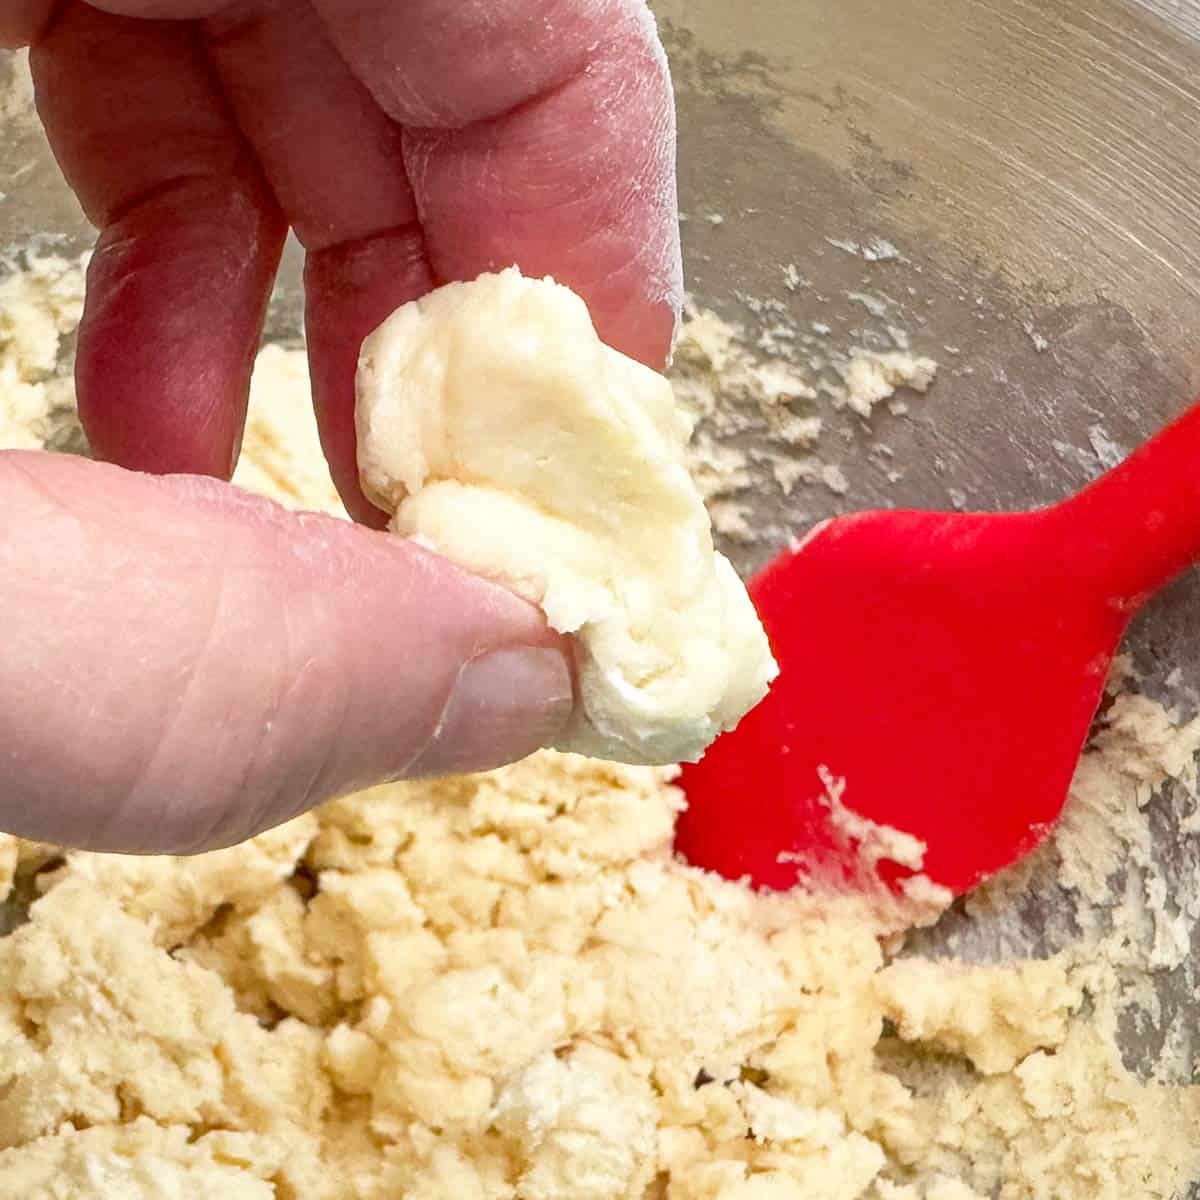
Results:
505 988
501 432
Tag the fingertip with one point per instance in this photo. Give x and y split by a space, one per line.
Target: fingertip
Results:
504 706
351 290
571 184
639 318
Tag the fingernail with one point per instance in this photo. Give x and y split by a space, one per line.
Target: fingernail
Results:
505 705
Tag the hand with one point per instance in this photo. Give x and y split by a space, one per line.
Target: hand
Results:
185 666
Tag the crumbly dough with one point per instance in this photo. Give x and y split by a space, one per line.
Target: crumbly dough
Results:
500 431
505 988
782 391
281 456
41 302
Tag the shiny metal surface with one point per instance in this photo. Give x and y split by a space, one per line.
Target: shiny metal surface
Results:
1037 165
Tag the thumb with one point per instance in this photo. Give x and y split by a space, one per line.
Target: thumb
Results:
186 665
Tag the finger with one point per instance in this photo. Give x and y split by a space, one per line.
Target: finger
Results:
540 133
21 21
190 239
332 157
161 9
335 162
351 290
186 665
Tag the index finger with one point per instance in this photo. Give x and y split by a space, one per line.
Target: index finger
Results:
536 133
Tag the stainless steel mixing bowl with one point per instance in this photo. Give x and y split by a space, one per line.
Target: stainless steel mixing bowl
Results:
1036 164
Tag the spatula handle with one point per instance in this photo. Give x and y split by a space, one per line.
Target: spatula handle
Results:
1139 524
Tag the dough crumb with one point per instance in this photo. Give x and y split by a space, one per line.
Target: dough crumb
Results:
871 378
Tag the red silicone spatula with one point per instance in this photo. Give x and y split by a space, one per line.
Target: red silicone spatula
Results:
947 668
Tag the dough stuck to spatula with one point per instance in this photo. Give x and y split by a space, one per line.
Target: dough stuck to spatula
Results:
502 433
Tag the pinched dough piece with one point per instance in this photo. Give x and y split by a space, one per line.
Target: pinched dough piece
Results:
500 431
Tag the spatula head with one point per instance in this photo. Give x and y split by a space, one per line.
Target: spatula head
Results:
945 667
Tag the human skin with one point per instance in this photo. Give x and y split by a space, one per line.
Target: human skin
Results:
184 665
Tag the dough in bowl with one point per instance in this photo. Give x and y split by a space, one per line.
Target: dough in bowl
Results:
501 432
